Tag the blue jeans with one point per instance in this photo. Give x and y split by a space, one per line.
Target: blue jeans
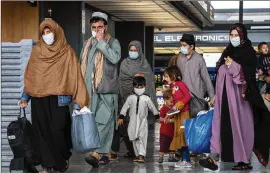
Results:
185 154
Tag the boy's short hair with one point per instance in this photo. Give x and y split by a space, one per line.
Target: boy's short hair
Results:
97 19
261 44
167 94
139 81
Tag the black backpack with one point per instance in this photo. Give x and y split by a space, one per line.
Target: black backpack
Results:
21 140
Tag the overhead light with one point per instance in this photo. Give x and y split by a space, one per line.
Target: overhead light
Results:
259 27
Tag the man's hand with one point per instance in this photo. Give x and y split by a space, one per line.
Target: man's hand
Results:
22 103
100 35
212 101
120 122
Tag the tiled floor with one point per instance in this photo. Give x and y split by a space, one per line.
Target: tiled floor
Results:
123 165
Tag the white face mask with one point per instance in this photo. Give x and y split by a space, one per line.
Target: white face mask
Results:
184 50
139 91
48 38
133 55
235 41
94 34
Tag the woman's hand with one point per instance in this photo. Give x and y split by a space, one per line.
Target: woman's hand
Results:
228 61
22 103
120 122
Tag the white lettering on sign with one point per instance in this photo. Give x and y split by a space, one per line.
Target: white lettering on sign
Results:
157 39
198 38
167 38
201 38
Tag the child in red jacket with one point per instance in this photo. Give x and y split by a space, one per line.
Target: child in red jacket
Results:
166 128
180 111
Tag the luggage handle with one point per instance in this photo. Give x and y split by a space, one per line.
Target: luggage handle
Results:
24 114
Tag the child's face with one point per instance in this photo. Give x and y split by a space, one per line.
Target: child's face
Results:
267 97
167 79
264 49
139 90
169 102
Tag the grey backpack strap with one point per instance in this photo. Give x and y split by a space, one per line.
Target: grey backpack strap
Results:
111 41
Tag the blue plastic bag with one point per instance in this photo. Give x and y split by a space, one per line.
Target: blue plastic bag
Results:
85 137
198 132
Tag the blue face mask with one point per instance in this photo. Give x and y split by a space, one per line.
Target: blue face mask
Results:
133 55
235 41
184 50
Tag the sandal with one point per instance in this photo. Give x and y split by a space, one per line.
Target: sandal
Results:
91 160
128 154
172 159
104 160
208 163
242 166
141 159
136 159
65 169
113 156
160 160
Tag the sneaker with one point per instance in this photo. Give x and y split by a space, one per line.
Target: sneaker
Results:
183 164
172 112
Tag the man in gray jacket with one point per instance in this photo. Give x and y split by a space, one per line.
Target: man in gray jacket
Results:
194 70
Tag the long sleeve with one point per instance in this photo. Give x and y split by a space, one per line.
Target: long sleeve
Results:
125 107
206 79
151 106
25 97
235 71
186 96
113 53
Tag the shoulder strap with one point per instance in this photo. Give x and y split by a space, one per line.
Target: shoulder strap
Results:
111 41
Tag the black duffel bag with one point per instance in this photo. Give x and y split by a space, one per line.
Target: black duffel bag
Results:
21 140
196 105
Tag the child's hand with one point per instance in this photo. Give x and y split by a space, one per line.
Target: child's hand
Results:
120 122
260 72
165 120
174 108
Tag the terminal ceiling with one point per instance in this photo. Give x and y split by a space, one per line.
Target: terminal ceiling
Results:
160 14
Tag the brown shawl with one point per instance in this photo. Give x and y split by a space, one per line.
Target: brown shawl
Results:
99 62
54 70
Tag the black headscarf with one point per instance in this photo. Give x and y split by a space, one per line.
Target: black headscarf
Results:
245 55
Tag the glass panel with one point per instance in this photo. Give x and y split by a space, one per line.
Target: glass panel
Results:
256 12
225 4
256 4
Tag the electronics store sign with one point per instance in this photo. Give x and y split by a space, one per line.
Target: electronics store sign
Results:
209 37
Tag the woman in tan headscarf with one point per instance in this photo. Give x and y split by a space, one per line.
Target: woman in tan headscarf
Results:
52 79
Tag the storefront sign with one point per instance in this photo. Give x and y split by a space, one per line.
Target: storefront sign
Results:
208 38
212 37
